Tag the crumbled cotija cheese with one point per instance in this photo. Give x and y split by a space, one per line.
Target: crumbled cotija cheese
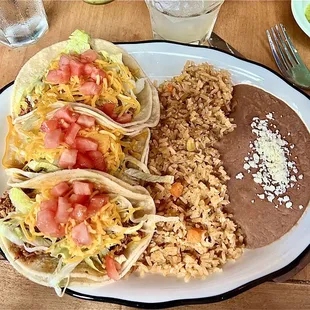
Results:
239 176
270 163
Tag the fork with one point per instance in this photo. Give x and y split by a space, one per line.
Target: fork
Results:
287 57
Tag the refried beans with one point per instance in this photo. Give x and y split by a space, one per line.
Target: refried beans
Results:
260 220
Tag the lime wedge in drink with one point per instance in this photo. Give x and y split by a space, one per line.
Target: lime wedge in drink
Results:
98 1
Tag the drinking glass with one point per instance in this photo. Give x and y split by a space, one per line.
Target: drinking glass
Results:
22 22
187 21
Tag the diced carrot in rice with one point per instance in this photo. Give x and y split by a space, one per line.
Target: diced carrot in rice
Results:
170 88
194 235
176 189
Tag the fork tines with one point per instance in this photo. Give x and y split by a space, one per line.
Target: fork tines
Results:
282 48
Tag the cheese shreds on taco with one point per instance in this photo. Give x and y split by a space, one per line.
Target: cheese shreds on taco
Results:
59 137
94 73
75 227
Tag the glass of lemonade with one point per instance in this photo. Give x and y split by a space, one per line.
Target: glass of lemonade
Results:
22 22
187 21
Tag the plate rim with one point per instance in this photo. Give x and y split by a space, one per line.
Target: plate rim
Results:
203 300
220 51
192 301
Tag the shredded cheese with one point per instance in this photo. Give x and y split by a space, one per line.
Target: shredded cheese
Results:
100 226
117 88
29 144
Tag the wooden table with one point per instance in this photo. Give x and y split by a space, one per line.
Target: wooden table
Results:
243 25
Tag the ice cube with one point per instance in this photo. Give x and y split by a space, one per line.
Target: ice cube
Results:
184 8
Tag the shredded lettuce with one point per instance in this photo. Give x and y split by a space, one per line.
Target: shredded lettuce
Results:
126 230
20 200
139 85
91 263
42 242
39 166
154 218
34 249
113 58
61 273
137 163
10 232
120 259
58 250
149 177
38 89
78 42
26 122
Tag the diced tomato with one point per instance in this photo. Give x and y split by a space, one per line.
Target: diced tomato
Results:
125 118
82 188
93 71
76 67
59 76
63 211
96 203
53 138
80 199
86 121
66 70
89 55
71 133
109 109
84 162
86 144
50 205
63 124
80 235
79 212
60 189
49 125
90 88
110 265
89 68
46 223
67 114
64 61
68 159
98 160
97 72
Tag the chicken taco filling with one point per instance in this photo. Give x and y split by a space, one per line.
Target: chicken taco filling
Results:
94 78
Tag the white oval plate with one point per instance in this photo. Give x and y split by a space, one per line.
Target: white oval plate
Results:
298 9
163 60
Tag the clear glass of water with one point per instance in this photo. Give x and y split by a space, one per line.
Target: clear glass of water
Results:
187 21
22 22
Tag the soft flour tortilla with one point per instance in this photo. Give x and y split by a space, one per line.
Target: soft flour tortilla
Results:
40 268
35 68
142 137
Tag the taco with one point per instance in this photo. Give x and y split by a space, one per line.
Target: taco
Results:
75 227
65 136
93 73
